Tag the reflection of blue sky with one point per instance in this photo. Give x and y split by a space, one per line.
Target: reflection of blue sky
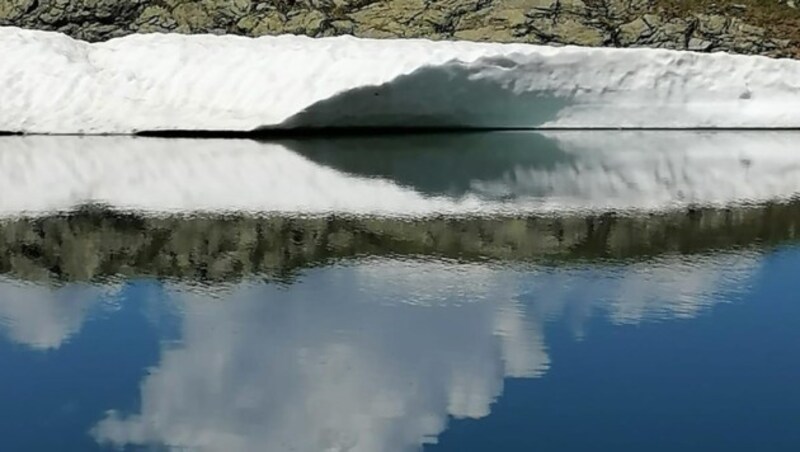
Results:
50 397
725 381
383 355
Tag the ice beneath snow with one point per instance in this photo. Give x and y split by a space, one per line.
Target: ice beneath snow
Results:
50 83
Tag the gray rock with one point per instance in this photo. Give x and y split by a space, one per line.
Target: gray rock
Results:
633 32
11 10
622 23
699 45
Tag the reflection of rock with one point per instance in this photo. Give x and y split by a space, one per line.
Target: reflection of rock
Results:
377 355
653 23
44 317
96 244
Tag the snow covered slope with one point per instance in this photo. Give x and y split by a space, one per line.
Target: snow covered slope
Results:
584 171
50 83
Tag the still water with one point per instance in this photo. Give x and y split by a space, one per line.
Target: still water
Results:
510 291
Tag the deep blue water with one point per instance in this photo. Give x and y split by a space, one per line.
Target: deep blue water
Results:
721 381
475 357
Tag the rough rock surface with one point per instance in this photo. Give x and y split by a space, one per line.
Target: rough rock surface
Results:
620 23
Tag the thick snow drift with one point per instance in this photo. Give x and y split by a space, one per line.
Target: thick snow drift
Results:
50 83
556 172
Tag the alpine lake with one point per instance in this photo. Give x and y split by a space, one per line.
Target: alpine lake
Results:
505 291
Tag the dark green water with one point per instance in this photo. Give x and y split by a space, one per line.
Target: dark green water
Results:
519 292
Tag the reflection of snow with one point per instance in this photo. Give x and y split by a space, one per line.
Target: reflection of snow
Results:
44 317
597 171
377 355
169 176
652 171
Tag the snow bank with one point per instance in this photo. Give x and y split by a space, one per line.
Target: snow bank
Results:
50 83
559 172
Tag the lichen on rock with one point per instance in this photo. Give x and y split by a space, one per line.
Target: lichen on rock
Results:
14 9
674 24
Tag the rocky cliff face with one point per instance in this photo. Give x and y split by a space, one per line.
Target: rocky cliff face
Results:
764 27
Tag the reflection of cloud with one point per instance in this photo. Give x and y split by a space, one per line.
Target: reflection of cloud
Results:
377 355
332 364
666 287
44 317
676 287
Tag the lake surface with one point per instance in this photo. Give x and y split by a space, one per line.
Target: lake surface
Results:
567 291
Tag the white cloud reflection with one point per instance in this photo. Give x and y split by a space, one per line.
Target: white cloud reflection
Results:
377 355
44 317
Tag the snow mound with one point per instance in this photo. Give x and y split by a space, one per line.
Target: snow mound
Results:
50 83
559 172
